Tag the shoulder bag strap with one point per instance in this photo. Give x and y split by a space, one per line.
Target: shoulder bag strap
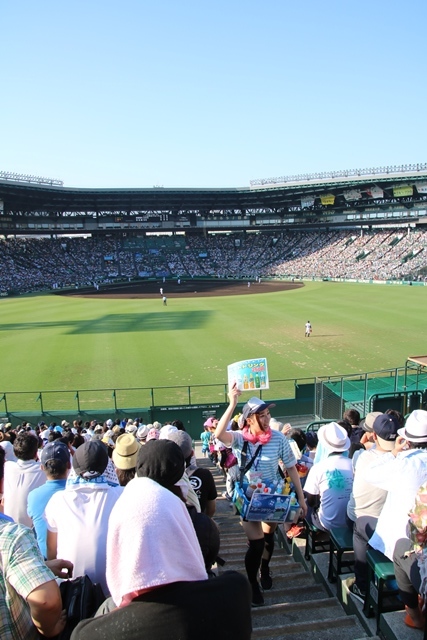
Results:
245 466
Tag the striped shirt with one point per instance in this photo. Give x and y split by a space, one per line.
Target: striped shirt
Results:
22 570
267 462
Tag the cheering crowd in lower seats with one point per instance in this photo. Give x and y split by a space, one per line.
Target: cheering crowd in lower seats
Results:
125 504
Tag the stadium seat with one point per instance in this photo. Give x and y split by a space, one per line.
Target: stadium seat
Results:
382 593
316 540
341 543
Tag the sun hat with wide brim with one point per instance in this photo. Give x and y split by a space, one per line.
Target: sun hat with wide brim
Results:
126 452
334 438
415 429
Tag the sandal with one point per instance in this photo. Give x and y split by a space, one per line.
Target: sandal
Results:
410 623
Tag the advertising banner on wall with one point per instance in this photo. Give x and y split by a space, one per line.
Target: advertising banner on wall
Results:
375 192
352 194
307 202
328 198
403 190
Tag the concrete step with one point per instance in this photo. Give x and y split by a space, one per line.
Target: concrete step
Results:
279 570
337 628
393 627
294 612
283 593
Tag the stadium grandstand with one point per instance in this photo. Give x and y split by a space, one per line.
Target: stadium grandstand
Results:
359 224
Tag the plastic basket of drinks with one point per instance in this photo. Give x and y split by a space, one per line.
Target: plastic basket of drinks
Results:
265 503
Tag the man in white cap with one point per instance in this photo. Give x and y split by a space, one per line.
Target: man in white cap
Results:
329 482
400 472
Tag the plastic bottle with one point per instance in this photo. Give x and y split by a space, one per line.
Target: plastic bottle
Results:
251 381
294 508
249 491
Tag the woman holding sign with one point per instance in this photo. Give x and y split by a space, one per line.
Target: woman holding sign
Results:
264 448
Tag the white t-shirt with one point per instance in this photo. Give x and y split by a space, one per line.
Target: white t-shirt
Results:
20 478
332 480
8 450
401 477
79 515
365 499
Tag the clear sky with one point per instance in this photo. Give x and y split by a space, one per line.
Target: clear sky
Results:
186 93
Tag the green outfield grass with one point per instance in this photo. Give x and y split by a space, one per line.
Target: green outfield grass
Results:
56 343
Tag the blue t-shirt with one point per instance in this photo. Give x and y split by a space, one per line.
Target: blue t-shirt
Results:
3 516
36 504
205 437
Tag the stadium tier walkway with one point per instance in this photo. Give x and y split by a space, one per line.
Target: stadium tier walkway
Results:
302 605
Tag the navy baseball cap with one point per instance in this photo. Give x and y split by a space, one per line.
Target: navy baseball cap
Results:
386 426
55 451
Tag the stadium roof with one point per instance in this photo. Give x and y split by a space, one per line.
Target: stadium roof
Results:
28 197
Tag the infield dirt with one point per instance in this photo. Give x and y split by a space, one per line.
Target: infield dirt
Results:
186 289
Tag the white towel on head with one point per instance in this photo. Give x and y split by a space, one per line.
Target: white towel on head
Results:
151 541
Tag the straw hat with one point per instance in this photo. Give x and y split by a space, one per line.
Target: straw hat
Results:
126 452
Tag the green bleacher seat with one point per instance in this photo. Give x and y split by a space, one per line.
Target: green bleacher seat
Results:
316 540
381 594
341 542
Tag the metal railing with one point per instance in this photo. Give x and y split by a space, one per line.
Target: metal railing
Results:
115 399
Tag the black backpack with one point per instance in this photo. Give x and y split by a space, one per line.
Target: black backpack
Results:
81 599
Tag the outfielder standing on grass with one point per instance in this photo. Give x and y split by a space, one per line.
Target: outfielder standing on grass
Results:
308 329
265 448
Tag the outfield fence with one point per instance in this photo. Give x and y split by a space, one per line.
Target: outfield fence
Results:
317 398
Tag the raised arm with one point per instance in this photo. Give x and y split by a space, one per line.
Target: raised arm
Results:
221 432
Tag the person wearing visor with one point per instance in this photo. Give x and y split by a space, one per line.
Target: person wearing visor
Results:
266 447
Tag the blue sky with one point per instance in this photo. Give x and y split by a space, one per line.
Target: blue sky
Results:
180 93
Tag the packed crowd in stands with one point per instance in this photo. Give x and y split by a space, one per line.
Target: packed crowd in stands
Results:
32 264
125 504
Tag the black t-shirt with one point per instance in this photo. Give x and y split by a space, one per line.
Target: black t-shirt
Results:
216 609
203 484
